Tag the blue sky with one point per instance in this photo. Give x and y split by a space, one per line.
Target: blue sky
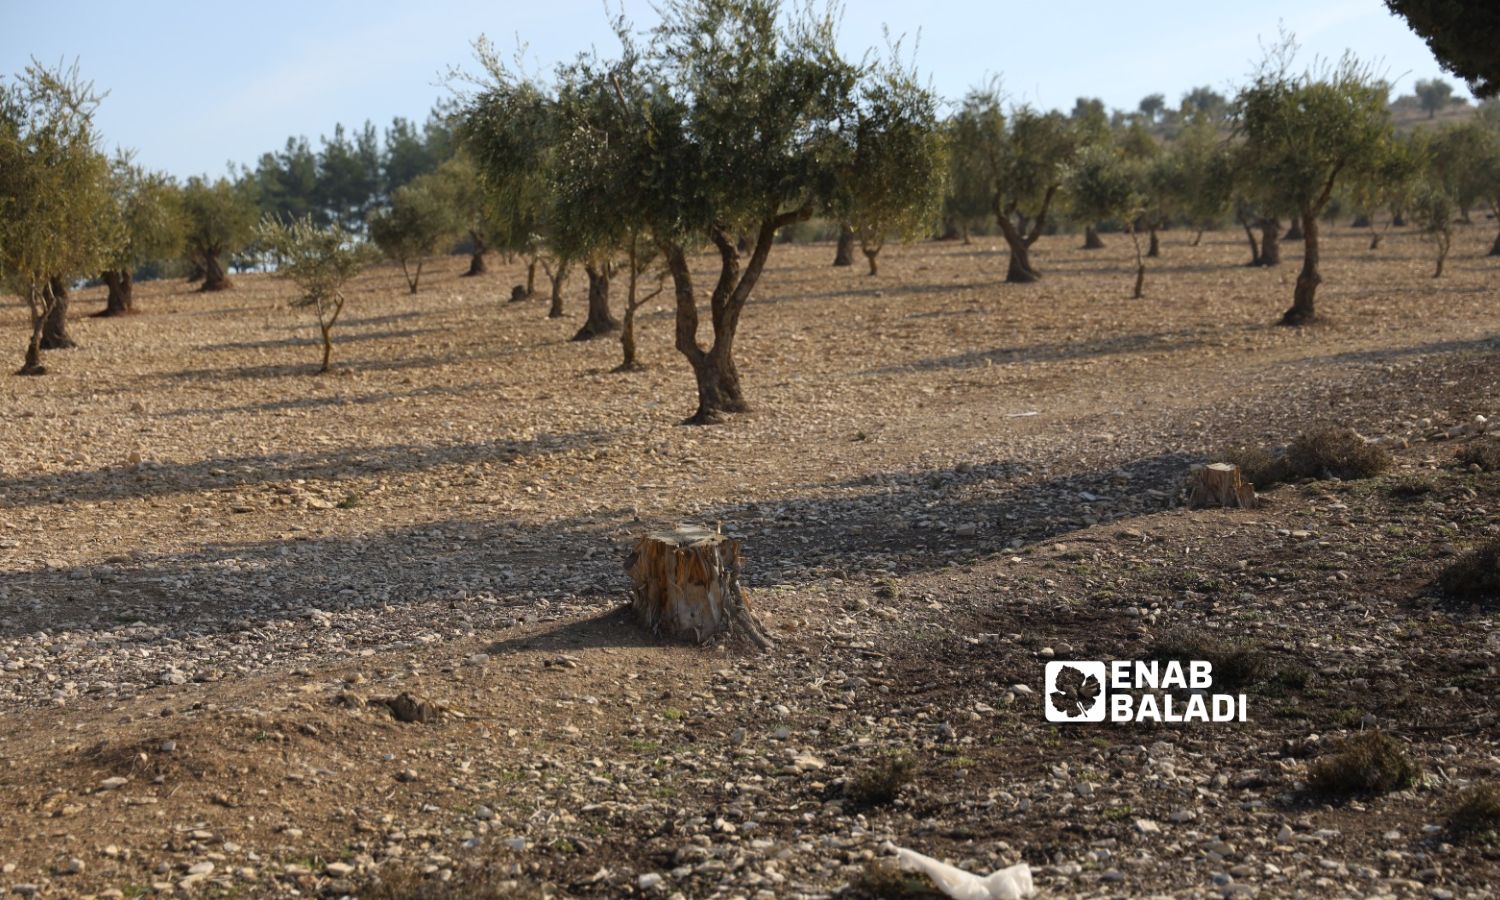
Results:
192 87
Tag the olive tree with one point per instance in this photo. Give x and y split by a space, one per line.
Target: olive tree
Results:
1103 185
320 261
219 219
734 117
509 128
145 224
1302 133
1205 175
1386 187
1465 159
1019 158
1433 94
1433 210
54 190
896 175
459 188
409 230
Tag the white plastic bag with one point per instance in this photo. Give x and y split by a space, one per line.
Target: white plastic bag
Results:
1013 883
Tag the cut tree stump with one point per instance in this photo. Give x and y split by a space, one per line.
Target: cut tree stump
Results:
686 585
1219 484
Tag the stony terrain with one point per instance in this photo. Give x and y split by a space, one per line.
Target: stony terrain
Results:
215 567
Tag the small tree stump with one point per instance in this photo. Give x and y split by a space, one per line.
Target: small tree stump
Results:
686 585
1219 484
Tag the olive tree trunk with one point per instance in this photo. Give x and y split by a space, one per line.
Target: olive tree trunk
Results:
412 276
55 327
599 320
557 277
1019 238
121 300
38 301
1153 249
844 254
214 276
1091 239
1270 243
1304 295
718 380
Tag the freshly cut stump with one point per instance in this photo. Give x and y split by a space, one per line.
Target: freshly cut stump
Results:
687 586
1219 484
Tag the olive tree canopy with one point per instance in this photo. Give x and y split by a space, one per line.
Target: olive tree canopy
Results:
1302 133
54 191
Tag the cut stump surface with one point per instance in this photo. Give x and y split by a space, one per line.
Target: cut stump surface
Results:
1219 484
685 585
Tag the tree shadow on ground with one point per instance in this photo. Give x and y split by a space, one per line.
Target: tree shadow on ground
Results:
233 472
616 628
310 340
1389 354
497 568
332 400
1143 342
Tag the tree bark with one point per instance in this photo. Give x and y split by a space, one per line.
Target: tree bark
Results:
1293 233
685 585
843 255
1091 240
55 327
1198 238
599 320
476 264
718 381
1444 241
196 272
1375 241
1303 309
1219 485
1153 249
1140 264
214 278
1254 244
1019 270
1019 239
121 300
412 277
531 277
1270 242
871 249
1495 247
557 277
37 301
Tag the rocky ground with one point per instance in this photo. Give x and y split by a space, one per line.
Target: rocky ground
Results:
216 567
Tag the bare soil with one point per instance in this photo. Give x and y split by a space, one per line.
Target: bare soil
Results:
216 565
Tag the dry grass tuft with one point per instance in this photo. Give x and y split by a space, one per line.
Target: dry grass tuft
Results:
1474 576
1368 763
1236 663
881 782
1485 454
1335 452
1476 816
